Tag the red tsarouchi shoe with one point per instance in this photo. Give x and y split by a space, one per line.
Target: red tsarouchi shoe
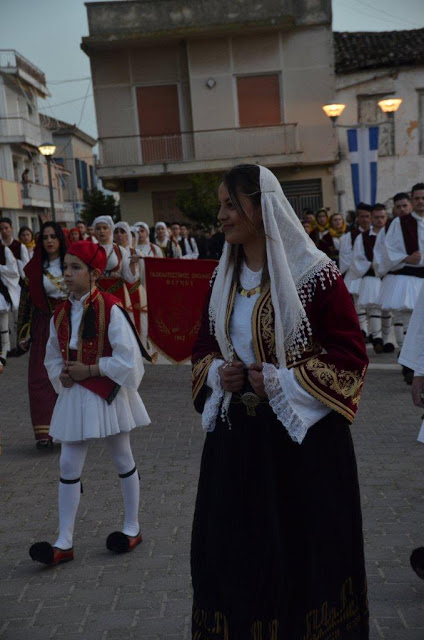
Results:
45 553
121 543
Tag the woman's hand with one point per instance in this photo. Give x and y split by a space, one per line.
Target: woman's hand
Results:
232 376
256 379
65 379
78 371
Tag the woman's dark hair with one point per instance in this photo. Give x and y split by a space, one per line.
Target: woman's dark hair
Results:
24 228
59 235
245 179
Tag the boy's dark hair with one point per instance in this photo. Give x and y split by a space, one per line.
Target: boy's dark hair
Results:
417 187
364 207
378 207
402 195
8 220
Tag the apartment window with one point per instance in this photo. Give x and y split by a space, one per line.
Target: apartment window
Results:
84 175
159 123
370 113
258 100
78 172
303 194
93 180
421 120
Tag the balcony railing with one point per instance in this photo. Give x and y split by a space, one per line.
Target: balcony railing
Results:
15 129
11 60
199 145
39 192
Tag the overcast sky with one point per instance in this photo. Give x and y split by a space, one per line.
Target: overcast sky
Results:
48 33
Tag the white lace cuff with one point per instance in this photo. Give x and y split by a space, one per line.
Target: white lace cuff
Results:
215 395
279 403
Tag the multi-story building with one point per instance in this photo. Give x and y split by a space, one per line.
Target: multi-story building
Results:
371 66
193 87
75 161
25 200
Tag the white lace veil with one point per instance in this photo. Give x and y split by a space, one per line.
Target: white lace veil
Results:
293 261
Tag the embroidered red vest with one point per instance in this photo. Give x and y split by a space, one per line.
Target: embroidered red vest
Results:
89 350
15 248
114 286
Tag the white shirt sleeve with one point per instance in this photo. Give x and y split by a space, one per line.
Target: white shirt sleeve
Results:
214 397
127 274
380 261
53 360
125 365
395 246
360 264
345 254
412 354
295 408
9 270
194 249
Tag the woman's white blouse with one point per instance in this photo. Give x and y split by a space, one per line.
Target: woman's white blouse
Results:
55 269
293 406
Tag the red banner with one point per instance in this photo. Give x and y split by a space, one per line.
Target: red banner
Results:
176 291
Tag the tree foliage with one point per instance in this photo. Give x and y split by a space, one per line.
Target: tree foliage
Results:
200 202
97 203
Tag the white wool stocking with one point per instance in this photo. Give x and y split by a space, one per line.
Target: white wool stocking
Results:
72 460
120 449
387 326
401 324
375 322
4 334
362 318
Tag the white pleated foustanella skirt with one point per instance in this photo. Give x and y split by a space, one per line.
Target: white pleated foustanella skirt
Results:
80 414
399 293
369 291
352 284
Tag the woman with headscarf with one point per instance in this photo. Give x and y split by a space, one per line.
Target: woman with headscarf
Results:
331 241
278 368
44 288
321 225
144 247
162 238
26 236
121 267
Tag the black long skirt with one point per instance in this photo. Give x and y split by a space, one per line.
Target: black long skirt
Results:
277 546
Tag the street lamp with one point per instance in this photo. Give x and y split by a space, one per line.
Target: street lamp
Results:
333 111
47 150
390 105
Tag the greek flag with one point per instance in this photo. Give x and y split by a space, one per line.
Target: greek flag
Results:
363 156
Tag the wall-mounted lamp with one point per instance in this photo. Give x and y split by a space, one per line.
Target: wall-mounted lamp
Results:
333 111
210 83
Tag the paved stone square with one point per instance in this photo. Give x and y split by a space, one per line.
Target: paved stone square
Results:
147 594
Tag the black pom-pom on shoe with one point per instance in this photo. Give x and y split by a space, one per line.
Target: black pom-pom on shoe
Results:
119 542
417 561
45 553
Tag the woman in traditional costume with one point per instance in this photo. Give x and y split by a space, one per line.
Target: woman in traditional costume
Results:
144 247
162 238
121 267
331 241
321 225
94 361
44 288
26 236
278 368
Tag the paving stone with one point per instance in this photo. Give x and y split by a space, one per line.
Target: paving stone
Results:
147 594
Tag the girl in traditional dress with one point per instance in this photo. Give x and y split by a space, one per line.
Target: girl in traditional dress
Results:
43 290
278 368
94 361
75 234
321 225
26 236
144 247
121 267
331 241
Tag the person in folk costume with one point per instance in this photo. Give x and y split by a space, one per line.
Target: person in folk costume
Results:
26 237
345 263
278 369
188 244
322 224
94 361
83 229
331 241
121 267
380 324
75 235
145 248
44 289
404 251
9 298
162 238
123 238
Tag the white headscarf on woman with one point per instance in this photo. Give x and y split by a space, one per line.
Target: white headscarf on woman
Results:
126 227
294 263
144 225
104 220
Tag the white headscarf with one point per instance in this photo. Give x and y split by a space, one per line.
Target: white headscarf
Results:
144 225
104 220
162 224
293 262
126 227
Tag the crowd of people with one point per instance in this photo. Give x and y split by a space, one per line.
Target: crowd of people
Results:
381 256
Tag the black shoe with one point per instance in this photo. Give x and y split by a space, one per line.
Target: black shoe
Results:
409 377
417 561
378 345
388 347
44 444
364 335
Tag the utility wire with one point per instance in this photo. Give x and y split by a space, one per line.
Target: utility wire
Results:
379 11
69 80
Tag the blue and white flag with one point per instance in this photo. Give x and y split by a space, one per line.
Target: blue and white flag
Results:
363 156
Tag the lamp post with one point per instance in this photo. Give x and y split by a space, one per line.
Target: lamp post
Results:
47 150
